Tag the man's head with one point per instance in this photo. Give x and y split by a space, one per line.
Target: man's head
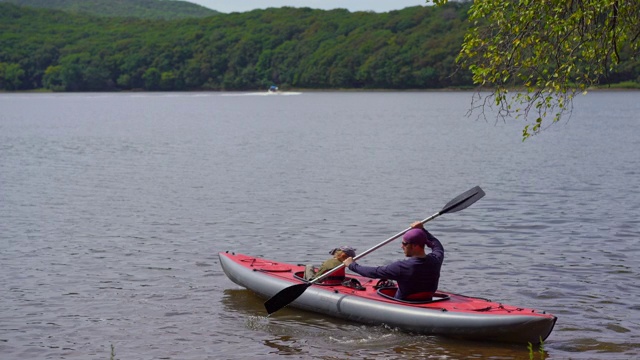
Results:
413 242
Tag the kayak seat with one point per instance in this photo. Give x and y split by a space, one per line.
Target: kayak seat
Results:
418 298
421 296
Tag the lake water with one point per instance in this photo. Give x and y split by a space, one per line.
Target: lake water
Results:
113 208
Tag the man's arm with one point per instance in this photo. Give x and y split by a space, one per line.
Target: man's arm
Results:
391 271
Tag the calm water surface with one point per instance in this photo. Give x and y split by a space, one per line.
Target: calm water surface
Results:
113 208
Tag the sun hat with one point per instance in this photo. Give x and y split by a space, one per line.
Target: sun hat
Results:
351 252
415 236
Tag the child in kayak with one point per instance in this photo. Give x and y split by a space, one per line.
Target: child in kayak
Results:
339 255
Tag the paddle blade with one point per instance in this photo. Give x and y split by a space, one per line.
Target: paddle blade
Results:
285 297
463 200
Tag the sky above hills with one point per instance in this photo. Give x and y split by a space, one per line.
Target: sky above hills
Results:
228 6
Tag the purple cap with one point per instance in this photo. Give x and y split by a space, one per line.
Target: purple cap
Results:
351 252
415 236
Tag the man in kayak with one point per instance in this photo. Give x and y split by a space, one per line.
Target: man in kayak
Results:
339 255
417 276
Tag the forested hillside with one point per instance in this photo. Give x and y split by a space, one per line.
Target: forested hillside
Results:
305 48
143 9
414 48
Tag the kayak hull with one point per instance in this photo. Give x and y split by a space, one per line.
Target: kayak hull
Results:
455 315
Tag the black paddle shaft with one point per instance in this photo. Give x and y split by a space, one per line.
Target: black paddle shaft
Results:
289 294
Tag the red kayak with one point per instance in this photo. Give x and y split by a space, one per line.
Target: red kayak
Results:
371 301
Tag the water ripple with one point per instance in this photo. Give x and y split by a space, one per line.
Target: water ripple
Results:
114 206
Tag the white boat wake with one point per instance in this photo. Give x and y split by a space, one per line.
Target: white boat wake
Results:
280 93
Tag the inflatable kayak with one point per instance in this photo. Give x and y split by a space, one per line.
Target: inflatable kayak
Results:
371 301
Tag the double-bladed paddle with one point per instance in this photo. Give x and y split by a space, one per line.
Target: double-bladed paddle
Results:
289 294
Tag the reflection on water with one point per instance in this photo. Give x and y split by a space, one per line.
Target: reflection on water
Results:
113 208
242 300
295 332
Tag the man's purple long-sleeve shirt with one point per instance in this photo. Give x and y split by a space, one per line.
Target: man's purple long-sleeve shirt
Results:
413 275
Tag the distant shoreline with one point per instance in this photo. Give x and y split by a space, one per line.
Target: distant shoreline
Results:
308 90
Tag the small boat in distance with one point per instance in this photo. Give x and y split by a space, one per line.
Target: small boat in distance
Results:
273 89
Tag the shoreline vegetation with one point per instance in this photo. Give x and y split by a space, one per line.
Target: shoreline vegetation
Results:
633 86
301 49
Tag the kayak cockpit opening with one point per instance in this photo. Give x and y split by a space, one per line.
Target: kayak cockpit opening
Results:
333 281
328 281
390 292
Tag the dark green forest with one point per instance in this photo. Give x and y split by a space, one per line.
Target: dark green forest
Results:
413 48
142 9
